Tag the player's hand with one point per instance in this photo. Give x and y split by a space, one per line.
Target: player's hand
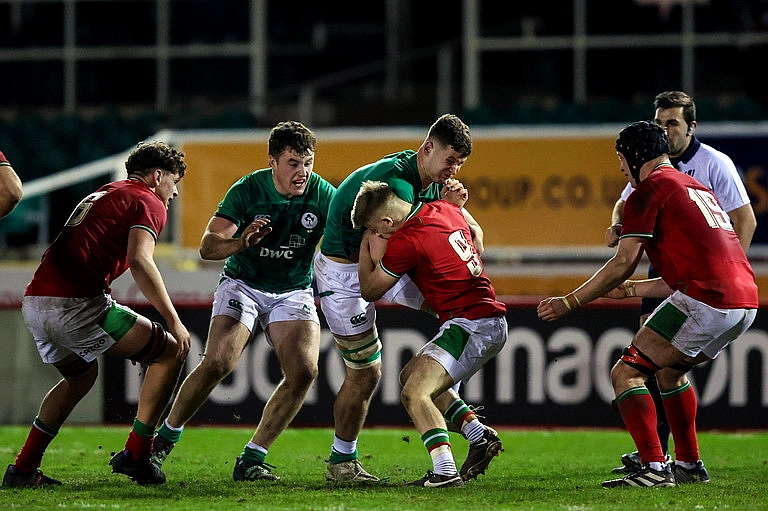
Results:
552 308
255 232
181 334
617 293
612 235
376 245
454 192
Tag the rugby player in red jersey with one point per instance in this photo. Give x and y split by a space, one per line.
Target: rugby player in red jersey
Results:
675 111
432 244
711 299
73 318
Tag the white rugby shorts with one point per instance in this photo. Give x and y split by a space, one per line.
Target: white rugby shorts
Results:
236 299
694 327
463 346
345 311
61 326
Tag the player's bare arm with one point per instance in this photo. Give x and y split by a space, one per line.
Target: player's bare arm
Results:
218 242
643 288
614 231
744 223
618 269
141 248
374 281
475 230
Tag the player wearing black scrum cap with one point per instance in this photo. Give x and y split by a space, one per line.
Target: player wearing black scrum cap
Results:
705 275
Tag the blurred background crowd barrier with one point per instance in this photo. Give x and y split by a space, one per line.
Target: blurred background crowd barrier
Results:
543 194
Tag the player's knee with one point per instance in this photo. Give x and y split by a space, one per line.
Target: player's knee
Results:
362 382
406 397
216 367
309 374
623 373
413 397
365 380
671 377
302 377
639 361
618 373
156 347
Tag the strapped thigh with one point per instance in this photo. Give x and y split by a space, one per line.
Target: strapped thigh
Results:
635 358
158 340
682 366
75 367
362 353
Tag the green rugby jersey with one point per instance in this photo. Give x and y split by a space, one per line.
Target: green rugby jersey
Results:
400 171
282 261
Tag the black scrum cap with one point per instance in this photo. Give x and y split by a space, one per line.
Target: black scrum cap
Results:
640 142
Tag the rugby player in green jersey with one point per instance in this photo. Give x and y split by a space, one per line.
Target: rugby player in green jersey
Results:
267 228
415 176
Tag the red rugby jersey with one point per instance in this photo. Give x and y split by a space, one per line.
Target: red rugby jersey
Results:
434 248
91 249
689 240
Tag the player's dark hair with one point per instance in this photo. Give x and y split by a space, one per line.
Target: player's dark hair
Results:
448 129
152 155
677 99
371 196
640 142
291 135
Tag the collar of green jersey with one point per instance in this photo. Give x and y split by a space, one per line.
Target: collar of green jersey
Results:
414 210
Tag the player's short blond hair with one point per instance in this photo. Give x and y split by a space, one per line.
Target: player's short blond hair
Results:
371 197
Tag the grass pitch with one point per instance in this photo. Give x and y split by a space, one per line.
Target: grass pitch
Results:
538 470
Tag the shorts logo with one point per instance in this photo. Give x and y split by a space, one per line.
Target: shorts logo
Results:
358 320
234 304
309 220
93 347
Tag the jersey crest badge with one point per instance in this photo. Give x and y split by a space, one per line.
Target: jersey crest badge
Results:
309 220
